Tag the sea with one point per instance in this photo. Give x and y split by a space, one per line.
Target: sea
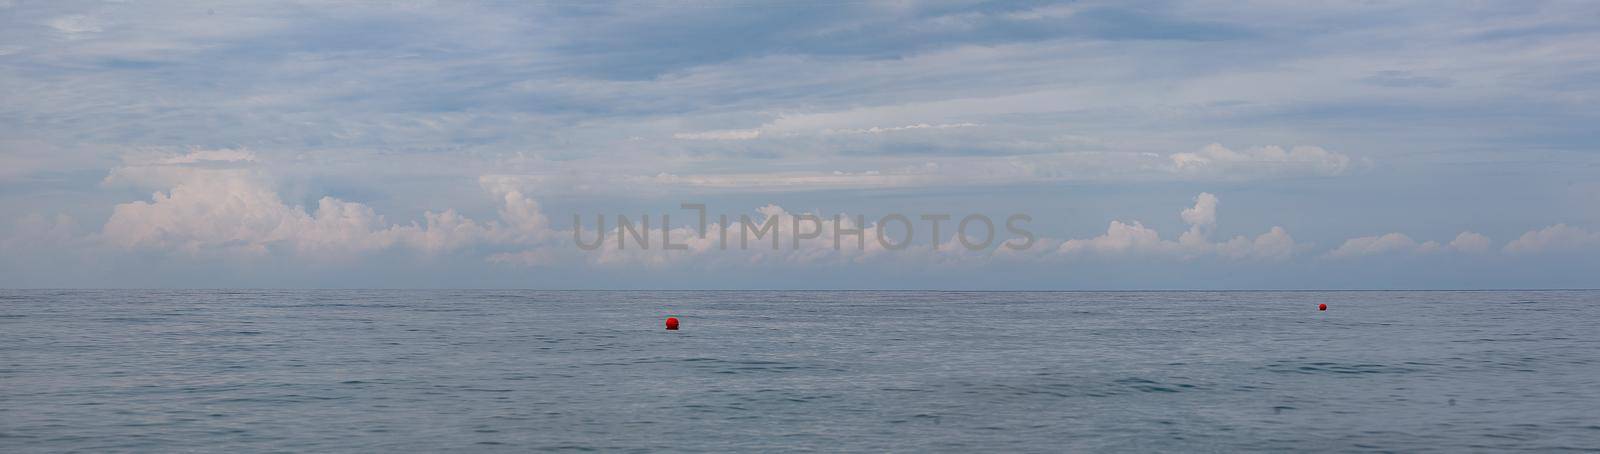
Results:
246 371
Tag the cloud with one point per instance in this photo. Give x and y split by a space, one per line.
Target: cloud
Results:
1133 239
792 181
1216 158
895 171
194 157
1392 243
221 203
76 24
1470 242
1044 12
1382 244
730 134
1204 212
650 102
1122 239
882 130
1275 245
234 211
237 212
1404 79
162 169
1555 238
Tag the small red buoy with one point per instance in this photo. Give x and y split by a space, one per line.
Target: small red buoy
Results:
1320 307
672 323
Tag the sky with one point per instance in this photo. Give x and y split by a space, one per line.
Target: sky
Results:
1148 145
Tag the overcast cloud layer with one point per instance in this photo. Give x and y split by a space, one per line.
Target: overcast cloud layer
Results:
1155 145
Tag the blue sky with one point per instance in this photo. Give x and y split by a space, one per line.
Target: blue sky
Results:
1156 145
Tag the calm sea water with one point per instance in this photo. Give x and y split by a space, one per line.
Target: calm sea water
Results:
253 371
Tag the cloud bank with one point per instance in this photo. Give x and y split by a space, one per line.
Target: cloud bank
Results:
453 139
223 203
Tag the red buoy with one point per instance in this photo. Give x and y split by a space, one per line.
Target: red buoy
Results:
1322 307
672 323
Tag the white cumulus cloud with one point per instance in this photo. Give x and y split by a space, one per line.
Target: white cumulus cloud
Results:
1392 243
237 212
1470 242
1381 244
1133 239
1559 237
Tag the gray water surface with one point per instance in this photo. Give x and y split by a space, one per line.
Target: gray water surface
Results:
391 370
